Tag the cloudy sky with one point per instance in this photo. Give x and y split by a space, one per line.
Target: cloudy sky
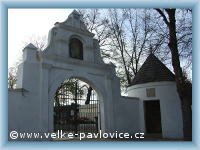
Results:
23 23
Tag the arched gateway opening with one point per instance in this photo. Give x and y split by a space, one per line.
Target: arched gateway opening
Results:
76 108
91 117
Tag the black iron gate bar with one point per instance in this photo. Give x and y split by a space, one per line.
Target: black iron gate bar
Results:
90 113
80 122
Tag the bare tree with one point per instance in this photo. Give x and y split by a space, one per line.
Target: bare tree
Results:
184 38
117 40
141 32
169 18
12 78
132 37
40 42
127 36
95 21
12 72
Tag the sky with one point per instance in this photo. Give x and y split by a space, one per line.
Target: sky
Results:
23 23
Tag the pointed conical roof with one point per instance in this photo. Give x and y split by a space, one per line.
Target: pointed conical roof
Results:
151 71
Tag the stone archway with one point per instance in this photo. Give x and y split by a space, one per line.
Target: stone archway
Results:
89 80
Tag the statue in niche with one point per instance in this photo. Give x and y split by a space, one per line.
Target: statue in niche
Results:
76 48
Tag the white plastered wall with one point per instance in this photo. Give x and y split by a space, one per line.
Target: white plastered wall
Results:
170 106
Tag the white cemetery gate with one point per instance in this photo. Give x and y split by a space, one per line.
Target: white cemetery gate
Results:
71 52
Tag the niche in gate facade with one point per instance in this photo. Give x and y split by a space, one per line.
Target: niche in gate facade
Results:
76 48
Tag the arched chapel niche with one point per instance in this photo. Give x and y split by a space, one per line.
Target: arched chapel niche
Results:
76 48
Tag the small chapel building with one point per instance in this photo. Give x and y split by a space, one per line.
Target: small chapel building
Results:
159 102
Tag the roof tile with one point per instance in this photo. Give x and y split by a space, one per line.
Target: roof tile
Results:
151 71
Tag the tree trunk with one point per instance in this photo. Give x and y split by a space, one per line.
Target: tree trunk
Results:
180 82
187 119
88 95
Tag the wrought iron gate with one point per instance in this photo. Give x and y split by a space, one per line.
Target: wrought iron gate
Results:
73 115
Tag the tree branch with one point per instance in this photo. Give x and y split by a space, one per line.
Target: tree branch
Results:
163 15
